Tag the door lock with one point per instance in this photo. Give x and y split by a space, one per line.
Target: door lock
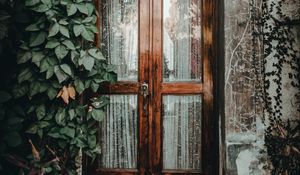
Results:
144 90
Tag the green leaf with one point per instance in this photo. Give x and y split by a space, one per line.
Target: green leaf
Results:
52 44
4 96
34 88
43 124
60 117
78 29
69 44
12 139
92 141
40 112
82 8
79 86
44 66
63 22
96 54
89 36
64 31
95 86
49 72
23 57
37 56
90 8
61 75
52 92
24 75
67 69
41 8
54 30
32 28
61 51
97 114
72 114
31 2
71 9
37 39
88 62
68 131
20 90
32 129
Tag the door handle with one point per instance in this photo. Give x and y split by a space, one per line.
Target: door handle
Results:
144 90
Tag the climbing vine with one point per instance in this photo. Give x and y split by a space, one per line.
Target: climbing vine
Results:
282 135
59 65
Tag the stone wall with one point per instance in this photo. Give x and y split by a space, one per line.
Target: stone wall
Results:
244 46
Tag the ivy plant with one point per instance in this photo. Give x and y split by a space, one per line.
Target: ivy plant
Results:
59 65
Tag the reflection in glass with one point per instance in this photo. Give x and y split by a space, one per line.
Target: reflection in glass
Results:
182 40
119 36
119 133
182 132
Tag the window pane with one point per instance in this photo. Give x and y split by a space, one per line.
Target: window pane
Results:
119 133
182 40
182 132
119 36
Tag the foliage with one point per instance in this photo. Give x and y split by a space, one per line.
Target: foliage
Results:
58 67
282 137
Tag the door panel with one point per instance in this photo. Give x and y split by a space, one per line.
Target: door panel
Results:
119 133
119 36
168 47
182 132
182 41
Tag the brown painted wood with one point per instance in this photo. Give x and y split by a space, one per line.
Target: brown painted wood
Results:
181 88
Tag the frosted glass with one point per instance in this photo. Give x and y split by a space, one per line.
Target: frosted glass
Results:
119 133
182 40
182 132
119 36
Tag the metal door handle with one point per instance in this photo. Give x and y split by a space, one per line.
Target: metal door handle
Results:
144 90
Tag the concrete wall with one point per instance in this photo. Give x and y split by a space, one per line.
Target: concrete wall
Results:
244 129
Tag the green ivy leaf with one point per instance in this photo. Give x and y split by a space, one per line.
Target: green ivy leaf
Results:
71 9
94 86
97 114
67 69
20 90
82 8
60 117
52 44
37 39
96 54
69 44
92 141
31 2
23 57
61 51
79 86
88 62
37 56
50 72
64 31
32 28
41 8
78 29
32 129
89 36
24 75
51 92
68 131
61 75
40 112
54 30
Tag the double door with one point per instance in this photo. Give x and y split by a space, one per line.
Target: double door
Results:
160 119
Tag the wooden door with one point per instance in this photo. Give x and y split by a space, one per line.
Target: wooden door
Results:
161 118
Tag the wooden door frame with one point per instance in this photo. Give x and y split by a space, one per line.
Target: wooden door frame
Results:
212 88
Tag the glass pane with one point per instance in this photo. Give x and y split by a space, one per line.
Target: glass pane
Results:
119 133
182 40
182 132
119 36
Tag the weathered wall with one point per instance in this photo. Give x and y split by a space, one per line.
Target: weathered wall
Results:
244 52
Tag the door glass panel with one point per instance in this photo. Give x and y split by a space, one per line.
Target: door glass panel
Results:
182 132
119 36
182 40
118 136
